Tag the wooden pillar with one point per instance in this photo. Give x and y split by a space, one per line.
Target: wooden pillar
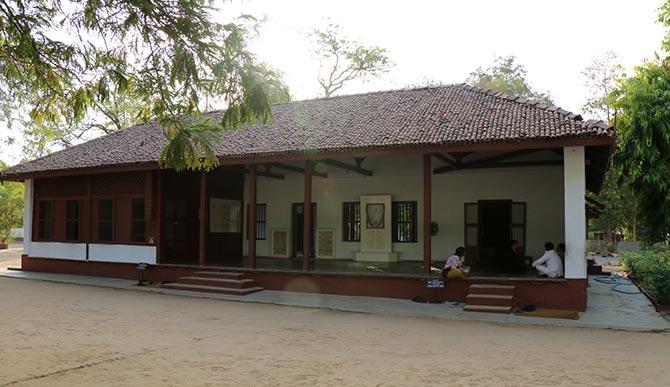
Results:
307 215
159 215
251 222
202 220
427 184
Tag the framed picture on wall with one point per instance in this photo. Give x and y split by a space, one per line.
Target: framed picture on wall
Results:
374 215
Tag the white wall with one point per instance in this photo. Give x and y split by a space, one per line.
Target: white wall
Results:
122 253
540 187
74 251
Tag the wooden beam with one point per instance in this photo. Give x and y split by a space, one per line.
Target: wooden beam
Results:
202 220
452 165
251 222
348 167
307 216
427 188
501 157
515 164
292 168
494 162
266 173
594 203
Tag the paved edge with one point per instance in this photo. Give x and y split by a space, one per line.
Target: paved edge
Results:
472 316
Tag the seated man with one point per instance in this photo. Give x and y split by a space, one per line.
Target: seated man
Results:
550 263
512 259
453 268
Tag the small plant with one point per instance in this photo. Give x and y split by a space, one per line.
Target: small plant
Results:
652 268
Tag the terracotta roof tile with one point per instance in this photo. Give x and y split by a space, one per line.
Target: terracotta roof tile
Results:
452 114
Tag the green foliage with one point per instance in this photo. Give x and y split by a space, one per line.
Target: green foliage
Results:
506 75
11 207
643 155
342 60
620 211
652 268
62 60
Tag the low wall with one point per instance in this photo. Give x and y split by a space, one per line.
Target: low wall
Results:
567 294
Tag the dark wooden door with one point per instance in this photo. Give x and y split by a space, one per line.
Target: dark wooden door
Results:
179 217
495 231
298 227
224 247
174 230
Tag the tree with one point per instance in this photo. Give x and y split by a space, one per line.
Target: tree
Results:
600 81
117 113
62 60
342 60
11 207
505 75
620 206
643 155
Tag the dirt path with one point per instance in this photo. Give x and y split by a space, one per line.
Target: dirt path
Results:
56 334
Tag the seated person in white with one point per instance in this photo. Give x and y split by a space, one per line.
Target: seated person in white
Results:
550 263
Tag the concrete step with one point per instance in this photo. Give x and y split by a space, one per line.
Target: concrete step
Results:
212 289
504 290
488 309
489 299
219 274
212 281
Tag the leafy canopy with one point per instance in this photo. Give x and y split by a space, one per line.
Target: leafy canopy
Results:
342 60
11 207
62 60
643 123
506 75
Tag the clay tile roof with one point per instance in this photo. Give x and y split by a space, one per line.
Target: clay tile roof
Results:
441 115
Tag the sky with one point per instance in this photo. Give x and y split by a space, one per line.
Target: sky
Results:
443 41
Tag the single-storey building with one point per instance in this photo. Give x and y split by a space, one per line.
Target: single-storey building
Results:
363 194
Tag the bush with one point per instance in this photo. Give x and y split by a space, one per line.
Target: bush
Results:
652 269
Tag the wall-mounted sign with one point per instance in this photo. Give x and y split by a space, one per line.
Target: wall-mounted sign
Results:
434 283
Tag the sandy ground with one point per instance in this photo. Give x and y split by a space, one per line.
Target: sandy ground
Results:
11 257
58 334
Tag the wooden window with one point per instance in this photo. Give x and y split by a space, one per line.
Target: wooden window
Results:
44 220
404 223
106 220
137 221
225 216
72 219
351 221
471 224
261 221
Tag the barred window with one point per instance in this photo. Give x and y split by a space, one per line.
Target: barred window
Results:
44 217
351 221
72 219
261 221
404 218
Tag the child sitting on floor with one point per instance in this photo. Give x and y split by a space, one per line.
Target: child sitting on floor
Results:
453 268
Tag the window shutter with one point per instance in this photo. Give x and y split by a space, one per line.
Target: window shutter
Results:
519 223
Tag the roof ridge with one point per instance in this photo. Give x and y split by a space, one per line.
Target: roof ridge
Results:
536 104
406 88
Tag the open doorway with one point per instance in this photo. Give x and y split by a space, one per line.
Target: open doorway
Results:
495 232
298 227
